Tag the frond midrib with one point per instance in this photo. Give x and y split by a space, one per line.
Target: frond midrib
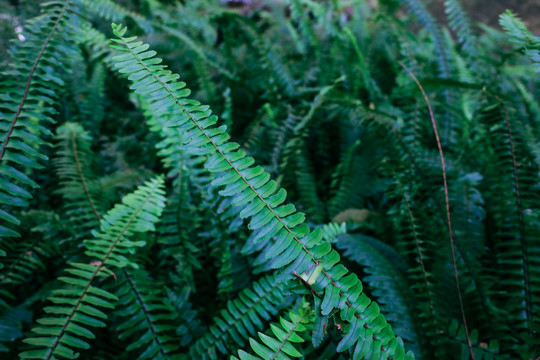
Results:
315 261
98 269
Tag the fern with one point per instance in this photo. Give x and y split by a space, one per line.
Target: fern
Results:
521 36
312 99
26 112
252 187
279 344
387 277
112 11
28 257
240 318
145 317
460 23
76 308
78 187
513 187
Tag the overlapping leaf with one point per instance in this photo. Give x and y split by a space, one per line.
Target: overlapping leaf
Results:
80 303
294 249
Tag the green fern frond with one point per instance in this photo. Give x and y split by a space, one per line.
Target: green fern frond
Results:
512 198
86 83
250 186
468 215
386 271
190 190
460 23
78 186
190 327
26 258
113 11
333 230
25 111
145 319
76 307
306 184
279 344
278 79
301 12
351 180
521 36
241 318
177 245
30 257
416 242
418 8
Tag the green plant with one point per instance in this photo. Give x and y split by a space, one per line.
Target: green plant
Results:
412 153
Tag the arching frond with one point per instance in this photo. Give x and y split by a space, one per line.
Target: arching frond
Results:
294 249
27 103
76 307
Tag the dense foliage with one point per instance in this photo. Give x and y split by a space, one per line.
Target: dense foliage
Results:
135 223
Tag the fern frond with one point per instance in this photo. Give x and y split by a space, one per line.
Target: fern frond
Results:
145 319
521 36
30 258
251 187
113 11
512 192
73 166
177 245
190 327
417 242
86 83
387 277
278 345
460 23
76 307
468 213
27 257
25 111
277 77
418 8
240 318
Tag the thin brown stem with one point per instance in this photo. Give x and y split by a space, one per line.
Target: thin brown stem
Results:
447 200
